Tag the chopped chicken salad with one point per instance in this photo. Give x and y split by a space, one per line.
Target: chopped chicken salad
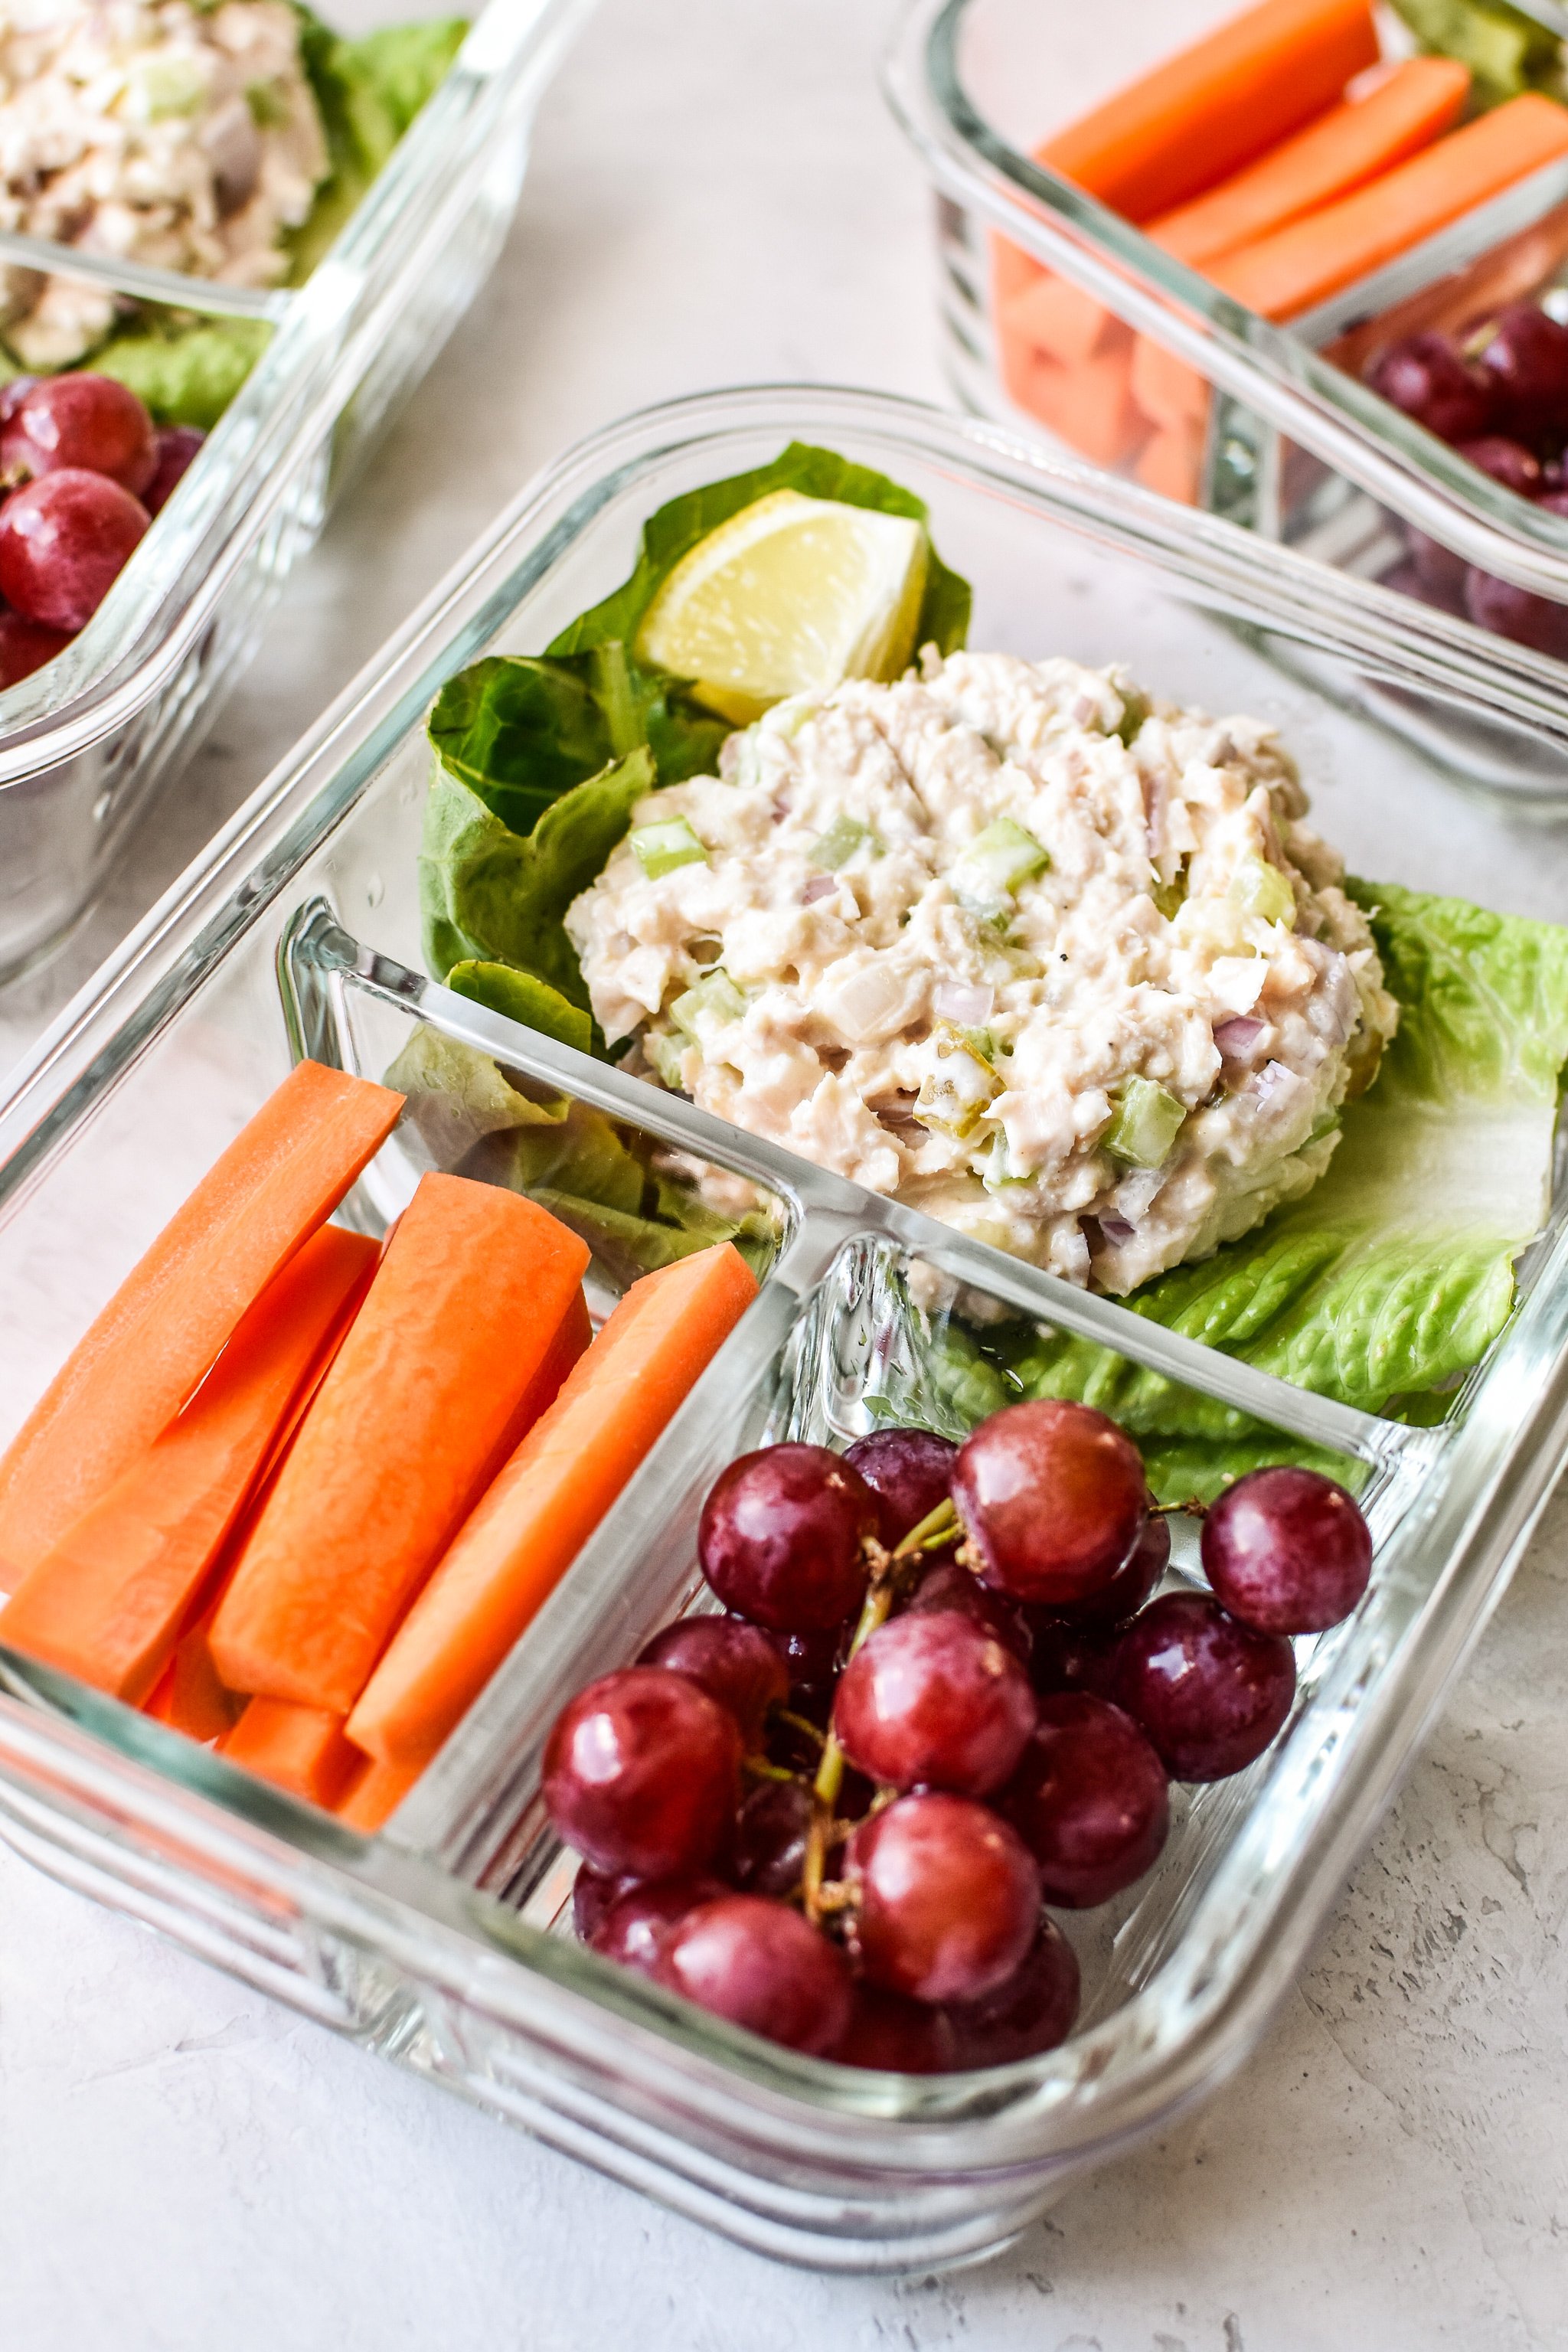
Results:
1060 965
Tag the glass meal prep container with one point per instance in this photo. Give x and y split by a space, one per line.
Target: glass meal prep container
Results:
84 740
442 1941
1289 441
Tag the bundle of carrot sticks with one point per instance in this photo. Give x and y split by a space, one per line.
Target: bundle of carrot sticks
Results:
1282 158
297 1493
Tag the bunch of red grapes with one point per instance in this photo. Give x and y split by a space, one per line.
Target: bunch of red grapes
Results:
83 470
1504 408
940 1700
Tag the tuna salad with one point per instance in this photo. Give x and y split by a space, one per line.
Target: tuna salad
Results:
152 131
1052 960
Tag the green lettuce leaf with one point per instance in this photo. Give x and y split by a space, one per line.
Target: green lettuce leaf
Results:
186 374
1506 51
676 528
1391 1279
520 997
458 1096
520 729
492 896
369 91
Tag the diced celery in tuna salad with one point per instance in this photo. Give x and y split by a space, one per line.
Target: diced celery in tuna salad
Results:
1058 964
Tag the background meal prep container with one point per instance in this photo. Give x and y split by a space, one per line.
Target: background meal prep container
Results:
84 740
441 1942
1297 447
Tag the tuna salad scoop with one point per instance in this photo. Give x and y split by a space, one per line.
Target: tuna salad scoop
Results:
152 131
1012 942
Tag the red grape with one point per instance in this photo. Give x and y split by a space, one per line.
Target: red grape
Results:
13 395
947 1898
761 1966
1526 366
908 1471
1133 1581
768 1853
1426 377
734 1662
1089 1800
25 646
1508 462
899 2036
85 422
593 1892
1069 1657
1499 605
1210 1692
1032 2011
1436 566
782 1537
932 1700
812 1662
1286 1551
637 1925
945 1585
1053 1497
641 1772
177 446
64 540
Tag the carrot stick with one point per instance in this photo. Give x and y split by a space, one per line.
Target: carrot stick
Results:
1172 462
1286 273
1195 116
1090 406
547 1501
424 1397
107 1603
1342 150
159 1335
300 1748
1060 318
1166 389
188 1696
375 1796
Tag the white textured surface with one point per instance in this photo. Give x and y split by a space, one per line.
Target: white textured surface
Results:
717 197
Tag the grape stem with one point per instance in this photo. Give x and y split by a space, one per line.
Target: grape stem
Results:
888 1571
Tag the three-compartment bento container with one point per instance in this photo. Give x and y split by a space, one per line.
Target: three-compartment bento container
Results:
85 740
441 1942
1297 447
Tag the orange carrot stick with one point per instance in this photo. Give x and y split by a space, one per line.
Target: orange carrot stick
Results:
107 1603
1351 144
1172 462
375 1796
1194 118
1285 274
1090 406
1166 389
547 1501
423 1399
188 1696
300 1748
159 1335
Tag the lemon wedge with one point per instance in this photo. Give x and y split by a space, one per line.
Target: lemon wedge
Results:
789 596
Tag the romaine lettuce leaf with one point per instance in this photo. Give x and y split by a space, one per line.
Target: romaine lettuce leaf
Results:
676 528
1390 1280
520 729
1506 51
186 374
520 997
492 896
369 91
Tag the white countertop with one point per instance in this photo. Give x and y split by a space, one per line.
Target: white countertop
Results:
718 196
